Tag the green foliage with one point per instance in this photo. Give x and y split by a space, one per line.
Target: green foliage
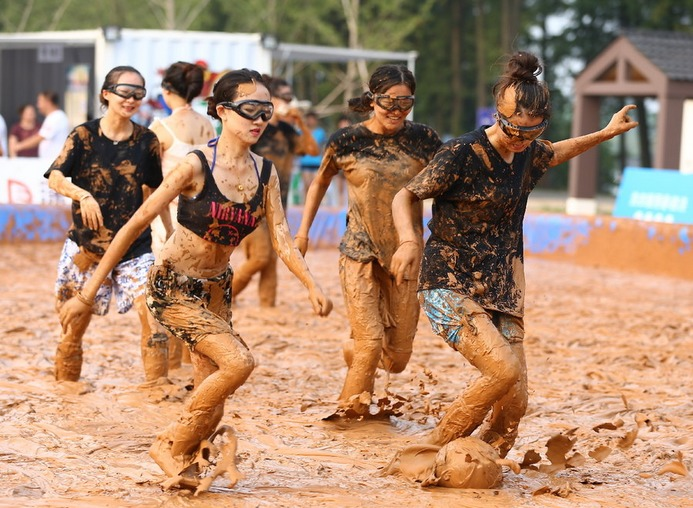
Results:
461 43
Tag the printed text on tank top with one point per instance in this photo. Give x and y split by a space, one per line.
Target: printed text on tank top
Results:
215 218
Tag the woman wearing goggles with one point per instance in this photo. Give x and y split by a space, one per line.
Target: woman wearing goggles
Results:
285 136
251 109
377 158
128 91
471 283
224 192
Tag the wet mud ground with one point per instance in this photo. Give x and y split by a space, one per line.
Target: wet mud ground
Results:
610 361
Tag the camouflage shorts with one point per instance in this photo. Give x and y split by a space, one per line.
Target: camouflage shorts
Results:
191 308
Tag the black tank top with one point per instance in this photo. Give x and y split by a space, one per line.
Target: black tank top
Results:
213 217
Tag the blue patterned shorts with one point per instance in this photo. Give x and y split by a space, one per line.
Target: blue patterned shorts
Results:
126 281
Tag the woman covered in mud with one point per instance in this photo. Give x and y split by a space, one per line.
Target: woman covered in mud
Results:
224 191
103 167
471 282
377 157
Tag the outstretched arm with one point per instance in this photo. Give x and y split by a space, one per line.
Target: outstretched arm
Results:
287 251
567 149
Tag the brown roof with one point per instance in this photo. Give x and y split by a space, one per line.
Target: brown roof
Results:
672 52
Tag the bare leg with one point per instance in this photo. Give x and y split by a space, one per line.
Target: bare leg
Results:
362 299
501 429
68 356
175 446
154 343
267 287
403 311
257 248
483 346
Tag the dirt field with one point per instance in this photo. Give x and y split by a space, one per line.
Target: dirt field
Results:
610 367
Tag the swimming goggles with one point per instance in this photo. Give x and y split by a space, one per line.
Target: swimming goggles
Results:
251 109
516 131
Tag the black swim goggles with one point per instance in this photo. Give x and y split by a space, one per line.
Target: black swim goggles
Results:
251 109
390 103
516 131
127 91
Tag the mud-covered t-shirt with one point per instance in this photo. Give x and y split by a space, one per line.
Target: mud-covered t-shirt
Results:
279 143
475 246
113 173
376 167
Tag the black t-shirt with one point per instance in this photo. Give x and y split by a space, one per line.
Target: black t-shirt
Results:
476 245
113 173
376 167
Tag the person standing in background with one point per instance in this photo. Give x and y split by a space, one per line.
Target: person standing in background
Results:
286 136
3 137
183 131
26 127
311 163
104 166
54 129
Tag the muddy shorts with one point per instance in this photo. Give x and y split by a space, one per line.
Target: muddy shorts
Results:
126 281
450 312
191 308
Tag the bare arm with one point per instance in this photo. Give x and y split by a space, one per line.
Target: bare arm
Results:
406 259
30 142
306 142
567 149
316 192
91 211
287 251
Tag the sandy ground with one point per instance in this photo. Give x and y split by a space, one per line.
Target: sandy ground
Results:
609 358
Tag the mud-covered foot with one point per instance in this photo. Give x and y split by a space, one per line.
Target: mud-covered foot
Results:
226 445
181 470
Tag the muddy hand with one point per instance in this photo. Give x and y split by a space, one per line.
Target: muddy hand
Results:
301 243
73 313
405 261
621 121
91 213
322 305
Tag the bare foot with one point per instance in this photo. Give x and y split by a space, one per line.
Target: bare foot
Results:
178 469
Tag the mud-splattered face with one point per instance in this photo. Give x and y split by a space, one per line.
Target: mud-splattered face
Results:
247 130
125 104
518 128
391 120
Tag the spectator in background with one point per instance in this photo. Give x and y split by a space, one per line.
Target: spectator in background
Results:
26 127
311 163
3 137
285 137
54 130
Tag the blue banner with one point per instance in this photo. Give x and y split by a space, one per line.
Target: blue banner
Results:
656 195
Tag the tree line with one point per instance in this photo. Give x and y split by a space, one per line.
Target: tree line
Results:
461 43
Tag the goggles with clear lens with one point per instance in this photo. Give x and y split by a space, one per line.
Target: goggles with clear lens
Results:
127 91
389 103
251 109
516 131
